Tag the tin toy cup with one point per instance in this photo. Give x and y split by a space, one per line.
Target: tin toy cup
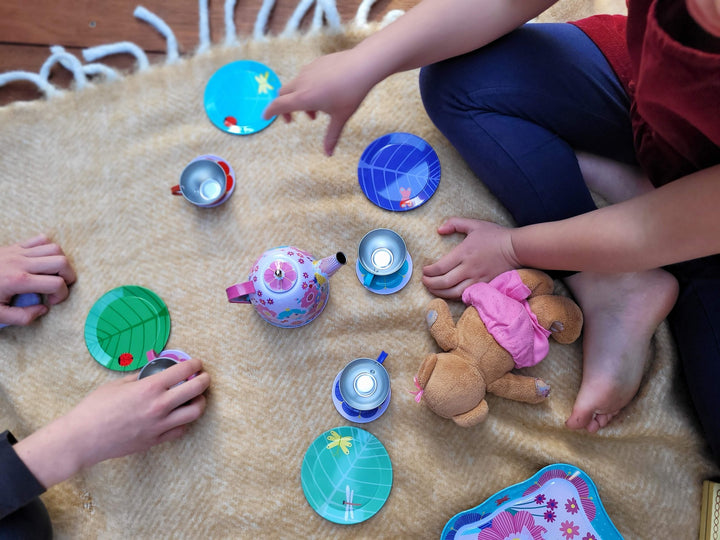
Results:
381 252
361 391
206 181
160 362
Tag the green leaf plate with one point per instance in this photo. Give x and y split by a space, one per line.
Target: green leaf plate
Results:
124 324
346 475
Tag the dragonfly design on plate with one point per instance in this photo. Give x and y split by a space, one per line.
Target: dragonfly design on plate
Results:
349 504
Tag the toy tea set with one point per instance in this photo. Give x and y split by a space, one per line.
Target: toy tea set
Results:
346 473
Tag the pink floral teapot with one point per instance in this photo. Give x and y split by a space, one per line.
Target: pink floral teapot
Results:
287 287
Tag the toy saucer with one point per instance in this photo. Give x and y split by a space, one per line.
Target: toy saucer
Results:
560 501
346 475
399 171
238 93
124 324
352 414
386 284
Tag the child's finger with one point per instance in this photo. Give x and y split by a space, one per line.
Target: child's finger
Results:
51 264
21 316
172 434
60 293
177 373
41 284
445 264
37 240
457 225
187 413
188 390
332 136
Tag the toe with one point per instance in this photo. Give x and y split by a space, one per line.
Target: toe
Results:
603 419
580 418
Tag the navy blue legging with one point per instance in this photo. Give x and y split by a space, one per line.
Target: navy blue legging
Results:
517 110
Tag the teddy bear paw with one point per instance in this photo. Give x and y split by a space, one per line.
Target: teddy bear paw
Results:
431 317
542 388
556 327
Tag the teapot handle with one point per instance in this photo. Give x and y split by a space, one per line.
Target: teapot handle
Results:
240 292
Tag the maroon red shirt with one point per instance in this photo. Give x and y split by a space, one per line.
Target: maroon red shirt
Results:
670 68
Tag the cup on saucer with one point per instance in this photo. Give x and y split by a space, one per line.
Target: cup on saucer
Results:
384 264
361 391
381 252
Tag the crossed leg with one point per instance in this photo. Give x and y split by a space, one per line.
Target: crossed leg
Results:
518 131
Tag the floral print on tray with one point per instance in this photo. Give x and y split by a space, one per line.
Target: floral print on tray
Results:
559 502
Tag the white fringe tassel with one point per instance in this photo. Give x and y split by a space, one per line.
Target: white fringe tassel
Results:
152 19
66 60
262 20
42 84
230 31
123 47
325 13
204 30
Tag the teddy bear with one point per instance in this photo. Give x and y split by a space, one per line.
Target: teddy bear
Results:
506 325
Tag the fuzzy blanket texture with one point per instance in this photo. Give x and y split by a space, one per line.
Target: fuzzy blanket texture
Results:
93 168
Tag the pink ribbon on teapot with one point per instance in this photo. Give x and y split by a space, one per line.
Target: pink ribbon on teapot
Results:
503 307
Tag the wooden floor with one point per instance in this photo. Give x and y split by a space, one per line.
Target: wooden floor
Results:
29 27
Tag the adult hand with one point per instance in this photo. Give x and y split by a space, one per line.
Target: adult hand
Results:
36 266
485 252
122 417
335 84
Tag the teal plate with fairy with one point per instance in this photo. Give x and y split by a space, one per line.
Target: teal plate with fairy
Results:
560 502
346 475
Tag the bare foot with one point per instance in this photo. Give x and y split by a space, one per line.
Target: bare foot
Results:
621 312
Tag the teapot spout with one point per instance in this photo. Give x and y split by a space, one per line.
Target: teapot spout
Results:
329 265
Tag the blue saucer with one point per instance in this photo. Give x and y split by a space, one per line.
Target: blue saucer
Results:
399 171
238 93
352 414
389 284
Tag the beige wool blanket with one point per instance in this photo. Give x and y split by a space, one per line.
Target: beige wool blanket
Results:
92 168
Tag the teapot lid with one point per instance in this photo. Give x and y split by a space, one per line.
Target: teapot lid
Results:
280 275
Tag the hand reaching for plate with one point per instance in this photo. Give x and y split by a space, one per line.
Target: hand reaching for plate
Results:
335 84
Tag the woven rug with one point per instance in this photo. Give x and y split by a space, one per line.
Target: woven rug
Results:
93 168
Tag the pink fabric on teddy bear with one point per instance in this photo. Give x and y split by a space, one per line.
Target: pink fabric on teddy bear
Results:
503 307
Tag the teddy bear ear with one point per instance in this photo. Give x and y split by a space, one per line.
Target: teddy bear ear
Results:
474 416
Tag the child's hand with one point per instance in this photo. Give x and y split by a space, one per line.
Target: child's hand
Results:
121 417
335 84
33 266
485 252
